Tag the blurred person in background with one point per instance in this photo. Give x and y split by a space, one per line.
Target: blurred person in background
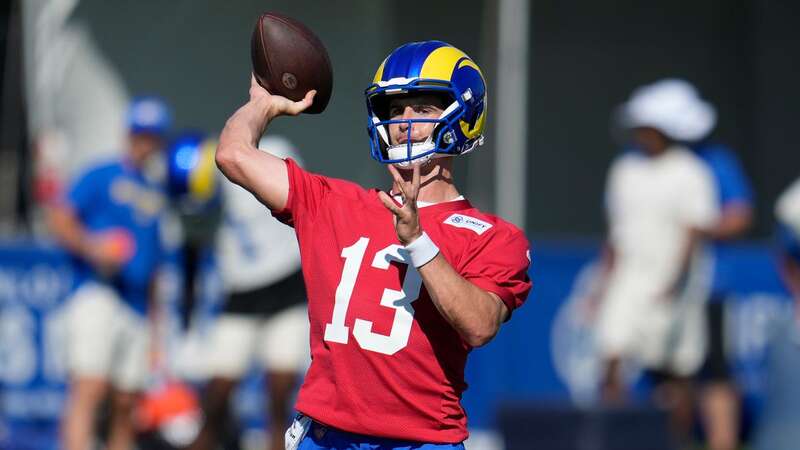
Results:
777 428
264 316
196 203
109 221
787 213
660 200
719 395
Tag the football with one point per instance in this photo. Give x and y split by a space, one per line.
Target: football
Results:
290 60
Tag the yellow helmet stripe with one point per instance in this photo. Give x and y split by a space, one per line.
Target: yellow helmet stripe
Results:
477 130
379 73
441 63
202 180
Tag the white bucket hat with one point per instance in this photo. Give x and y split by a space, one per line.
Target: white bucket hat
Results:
671 106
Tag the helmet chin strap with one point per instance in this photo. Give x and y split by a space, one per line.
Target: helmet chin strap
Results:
417 148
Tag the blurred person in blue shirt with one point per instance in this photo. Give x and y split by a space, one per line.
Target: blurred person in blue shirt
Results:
719 397
109 222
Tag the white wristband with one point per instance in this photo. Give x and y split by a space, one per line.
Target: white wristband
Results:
422 250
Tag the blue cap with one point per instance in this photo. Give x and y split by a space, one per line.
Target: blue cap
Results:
149 114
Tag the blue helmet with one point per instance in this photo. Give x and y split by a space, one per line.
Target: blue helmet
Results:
429 67
149 114
191 171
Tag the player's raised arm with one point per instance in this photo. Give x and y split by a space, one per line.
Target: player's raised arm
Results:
238 158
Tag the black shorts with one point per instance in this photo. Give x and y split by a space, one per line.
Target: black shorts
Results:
716 366
268 300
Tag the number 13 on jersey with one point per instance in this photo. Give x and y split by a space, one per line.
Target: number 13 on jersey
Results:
400 301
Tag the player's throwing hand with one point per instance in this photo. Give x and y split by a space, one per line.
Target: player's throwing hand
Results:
276 105
406 219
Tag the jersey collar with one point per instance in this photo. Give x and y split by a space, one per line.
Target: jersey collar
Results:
458 203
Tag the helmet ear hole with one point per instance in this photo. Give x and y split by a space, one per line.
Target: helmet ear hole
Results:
442 135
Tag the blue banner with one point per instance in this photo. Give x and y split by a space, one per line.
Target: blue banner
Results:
544 353
33 283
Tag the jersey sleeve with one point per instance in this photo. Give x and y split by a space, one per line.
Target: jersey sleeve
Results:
500 265
306 192
84 192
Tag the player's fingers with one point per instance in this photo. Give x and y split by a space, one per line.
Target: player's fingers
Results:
415 176
398 180
401 214
306 102
395 173
295 108
389 203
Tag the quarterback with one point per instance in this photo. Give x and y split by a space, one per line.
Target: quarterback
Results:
402 284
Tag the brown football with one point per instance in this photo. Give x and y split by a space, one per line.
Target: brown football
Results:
290 60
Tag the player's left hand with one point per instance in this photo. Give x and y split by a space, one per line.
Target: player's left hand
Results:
406 217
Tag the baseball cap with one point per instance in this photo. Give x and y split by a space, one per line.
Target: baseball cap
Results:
149 114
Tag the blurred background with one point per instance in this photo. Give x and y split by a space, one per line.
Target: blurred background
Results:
557 71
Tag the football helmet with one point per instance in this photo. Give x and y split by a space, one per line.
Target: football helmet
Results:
428 67
191 172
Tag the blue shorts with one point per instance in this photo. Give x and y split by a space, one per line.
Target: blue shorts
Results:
321 437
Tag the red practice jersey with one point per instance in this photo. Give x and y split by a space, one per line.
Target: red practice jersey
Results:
384 361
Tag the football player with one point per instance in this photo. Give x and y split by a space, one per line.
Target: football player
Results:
109 222
403 283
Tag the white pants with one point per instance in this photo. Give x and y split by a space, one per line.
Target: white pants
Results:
637 323
106 338
280 343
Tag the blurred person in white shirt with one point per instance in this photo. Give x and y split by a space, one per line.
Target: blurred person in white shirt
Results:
660 198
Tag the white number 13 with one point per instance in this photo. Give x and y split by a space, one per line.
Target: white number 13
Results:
400 301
